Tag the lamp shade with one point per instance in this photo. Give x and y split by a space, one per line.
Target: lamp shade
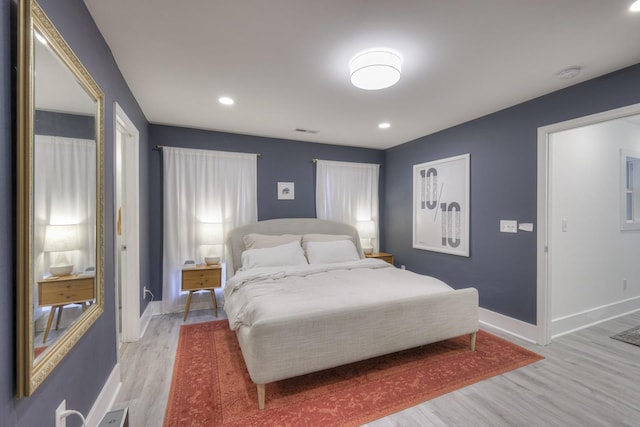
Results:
366 229
210 233
60 238
375 69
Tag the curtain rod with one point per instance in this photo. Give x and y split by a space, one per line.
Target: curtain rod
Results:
160 147
316 161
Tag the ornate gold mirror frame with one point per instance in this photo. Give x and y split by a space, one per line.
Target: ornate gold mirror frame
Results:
32 368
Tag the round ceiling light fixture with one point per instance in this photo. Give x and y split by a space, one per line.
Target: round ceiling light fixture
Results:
225 100
375 69
384 125
635 6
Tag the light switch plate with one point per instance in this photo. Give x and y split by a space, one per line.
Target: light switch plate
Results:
508 226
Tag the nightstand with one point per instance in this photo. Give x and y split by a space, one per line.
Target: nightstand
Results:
201 278
381 255
62 291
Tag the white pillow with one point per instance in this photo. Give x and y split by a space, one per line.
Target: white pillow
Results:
260 241
311 237
288 254
331 251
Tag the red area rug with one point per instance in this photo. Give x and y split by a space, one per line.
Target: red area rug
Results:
211 385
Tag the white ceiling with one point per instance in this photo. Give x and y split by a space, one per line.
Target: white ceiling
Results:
285 62
56 88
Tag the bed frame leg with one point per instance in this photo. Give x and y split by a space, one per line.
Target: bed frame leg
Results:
261 396
473 341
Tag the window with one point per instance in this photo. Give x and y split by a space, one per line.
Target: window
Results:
631 190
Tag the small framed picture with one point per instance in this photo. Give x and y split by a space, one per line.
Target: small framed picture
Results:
286 191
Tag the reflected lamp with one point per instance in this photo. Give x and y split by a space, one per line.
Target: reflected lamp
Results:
60 239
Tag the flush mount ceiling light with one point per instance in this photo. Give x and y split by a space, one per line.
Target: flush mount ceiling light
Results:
568 73
635 6
225 100
375 69
384 125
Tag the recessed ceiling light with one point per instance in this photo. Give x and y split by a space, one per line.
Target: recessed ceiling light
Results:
569 73
225 100
635 6
375 69
384 125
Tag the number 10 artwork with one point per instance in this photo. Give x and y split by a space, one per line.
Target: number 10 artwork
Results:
441 205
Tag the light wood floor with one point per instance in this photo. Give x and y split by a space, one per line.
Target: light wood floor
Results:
586 379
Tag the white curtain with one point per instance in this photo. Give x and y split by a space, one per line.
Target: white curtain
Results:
348 192
202 187
64 193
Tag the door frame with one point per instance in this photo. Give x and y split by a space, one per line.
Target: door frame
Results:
544 285
131 262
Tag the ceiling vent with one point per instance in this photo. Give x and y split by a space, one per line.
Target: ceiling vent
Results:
307 131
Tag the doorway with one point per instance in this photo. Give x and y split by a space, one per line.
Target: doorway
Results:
587 272
127 219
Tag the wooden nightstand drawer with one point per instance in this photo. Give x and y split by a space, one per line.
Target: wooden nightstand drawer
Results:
66 291
202 277
381 255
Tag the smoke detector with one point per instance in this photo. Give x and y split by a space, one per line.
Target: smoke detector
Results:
569 73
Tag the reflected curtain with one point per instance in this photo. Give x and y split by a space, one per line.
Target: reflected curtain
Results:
202 187
64 194
348 192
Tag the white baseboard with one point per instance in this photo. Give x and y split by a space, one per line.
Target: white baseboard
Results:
492 321
154 308
105 399
574 322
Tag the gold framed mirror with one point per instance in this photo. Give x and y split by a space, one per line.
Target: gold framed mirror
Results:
60 170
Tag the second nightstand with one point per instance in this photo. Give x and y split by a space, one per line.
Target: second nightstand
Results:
381 255
201 278
64 290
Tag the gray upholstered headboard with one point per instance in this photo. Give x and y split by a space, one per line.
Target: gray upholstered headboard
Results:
287 226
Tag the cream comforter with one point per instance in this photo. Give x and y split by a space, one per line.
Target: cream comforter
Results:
296 292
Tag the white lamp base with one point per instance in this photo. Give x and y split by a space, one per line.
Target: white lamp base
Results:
61 270
368 250
212 260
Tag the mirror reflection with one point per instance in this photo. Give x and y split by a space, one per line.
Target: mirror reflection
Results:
64 198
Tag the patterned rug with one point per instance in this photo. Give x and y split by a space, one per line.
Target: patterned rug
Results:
211 385
631 336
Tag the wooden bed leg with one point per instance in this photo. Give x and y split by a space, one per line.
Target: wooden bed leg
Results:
261 396
473 341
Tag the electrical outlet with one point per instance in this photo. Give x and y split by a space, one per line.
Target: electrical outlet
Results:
508 226
60 420
144 293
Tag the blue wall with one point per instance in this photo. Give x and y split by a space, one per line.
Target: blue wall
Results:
280 160
8 410
80 377
64 124
503 148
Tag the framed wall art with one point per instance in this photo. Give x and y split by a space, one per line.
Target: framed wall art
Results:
441 205
286 191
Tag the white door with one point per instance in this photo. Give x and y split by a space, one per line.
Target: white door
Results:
127 236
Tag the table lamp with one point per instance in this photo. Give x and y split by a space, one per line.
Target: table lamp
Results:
211 234
60 239
367 232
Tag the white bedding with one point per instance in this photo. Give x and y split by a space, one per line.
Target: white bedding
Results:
273 293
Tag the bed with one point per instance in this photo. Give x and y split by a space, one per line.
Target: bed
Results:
333 306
